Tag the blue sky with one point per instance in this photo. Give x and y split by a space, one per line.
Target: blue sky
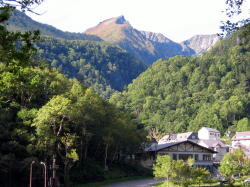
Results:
176 19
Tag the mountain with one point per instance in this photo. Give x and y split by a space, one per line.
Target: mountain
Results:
19 21
186 93
147 46
201 43
100 65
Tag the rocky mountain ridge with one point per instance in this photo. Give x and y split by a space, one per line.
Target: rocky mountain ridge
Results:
201 43
149 46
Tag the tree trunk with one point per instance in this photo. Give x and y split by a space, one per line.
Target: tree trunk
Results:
115 153
105 158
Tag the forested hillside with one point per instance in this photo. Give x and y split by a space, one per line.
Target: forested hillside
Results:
45 115
102 66
185 93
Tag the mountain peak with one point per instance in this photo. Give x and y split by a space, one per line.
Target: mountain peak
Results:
121 20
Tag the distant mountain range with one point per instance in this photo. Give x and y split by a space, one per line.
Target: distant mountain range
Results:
109 56
149 46
21 22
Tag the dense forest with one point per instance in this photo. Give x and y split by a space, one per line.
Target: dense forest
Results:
45 115
102 66
185 93
51 100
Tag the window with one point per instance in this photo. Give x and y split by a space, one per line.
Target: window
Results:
174 157
162 153
206 157
185 156
196 157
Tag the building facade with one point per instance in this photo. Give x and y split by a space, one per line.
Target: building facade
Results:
210 138
206 133
183 150
241 140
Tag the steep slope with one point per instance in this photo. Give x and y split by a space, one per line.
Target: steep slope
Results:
147 46
103 66
201 43
19 21
186 93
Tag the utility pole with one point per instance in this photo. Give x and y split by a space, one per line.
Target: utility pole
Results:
31 173
45 173
54 167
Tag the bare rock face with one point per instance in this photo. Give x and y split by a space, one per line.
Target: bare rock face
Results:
148 46
120 20
155 37
201 43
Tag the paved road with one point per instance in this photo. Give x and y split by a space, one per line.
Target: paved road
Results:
136 183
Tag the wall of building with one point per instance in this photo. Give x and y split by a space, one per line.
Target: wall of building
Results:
241 142
221 152
204 134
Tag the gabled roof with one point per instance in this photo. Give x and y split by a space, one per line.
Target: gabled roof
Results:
158 147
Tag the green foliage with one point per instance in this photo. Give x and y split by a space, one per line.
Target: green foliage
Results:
243 125
163 167
234 163
102 66
178 172
184 94
44 114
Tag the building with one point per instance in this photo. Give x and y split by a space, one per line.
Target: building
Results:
205 147
210 138
206 133
180 150
217 145
242 140
178 137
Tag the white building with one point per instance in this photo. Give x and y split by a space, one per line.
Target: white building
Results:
210 138
206 133
241 139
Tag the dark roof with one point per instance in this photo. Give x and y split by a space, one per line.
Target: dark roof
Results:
158 147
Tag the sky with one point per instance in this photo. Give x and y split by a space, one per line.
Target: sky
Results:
176 19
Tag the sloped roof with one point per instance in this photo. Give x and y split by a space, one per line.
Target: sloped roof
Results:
242 136
158 147
213 143
176 137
